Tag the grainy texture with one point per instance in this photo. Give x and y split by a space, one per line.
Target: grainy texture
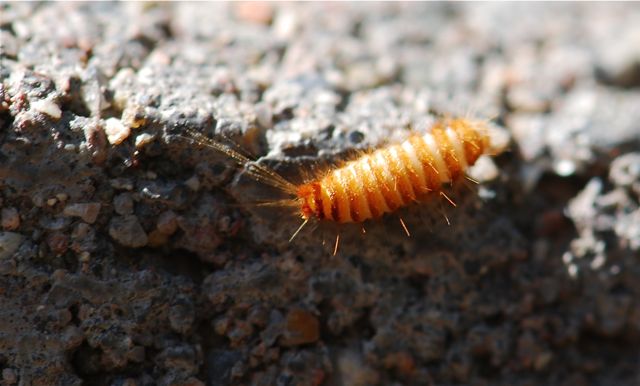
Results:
129 256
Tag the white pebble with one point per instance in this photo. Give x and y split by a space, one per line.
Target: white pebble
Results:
45 106
564 168
484 170
144 139
116 131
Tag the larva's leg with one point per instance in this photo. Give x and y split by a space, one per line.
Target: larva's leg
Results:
335 248
404 226
443 194
444 214
471 185
469 178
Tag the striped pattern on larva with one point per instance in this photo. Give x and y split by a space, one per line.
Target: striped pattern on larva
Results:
395 176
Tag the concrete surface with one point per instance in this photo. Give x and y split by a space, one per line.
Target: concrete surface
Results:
130 256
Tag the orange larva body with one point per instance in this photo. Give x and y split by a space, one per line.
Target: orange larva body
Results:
395 176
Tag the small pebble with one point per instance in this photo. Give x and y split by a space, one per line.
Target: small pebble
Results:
38 200
122 184
239 332
157 239
95 141
193 381
401 361
258 316
72 337
87 212
54 223
123 204
564 167
167 223
84 257
134 117
129 382
542 361
10 219
286 24
9 376
484 170
625 170
221 325
136 354
127 231
144 139
254 11
193 183
300 327
263 114
182 316
52 201
81 230
58 243
116 132
352 369
47 107
9 243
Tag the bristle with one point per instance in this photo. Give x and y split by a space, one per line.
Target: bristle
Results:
258 172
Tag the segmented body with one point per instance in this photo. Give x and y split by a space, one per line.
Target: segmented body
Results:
395 176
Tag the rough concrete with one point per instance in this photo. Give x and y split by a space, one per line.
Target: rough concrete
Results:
131 256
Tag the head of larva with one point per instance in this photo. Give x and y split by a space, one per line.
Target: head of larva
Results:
307 200
496 139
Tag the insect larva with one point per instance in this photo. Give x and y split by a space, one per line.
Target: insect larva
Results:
395 176
384 180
